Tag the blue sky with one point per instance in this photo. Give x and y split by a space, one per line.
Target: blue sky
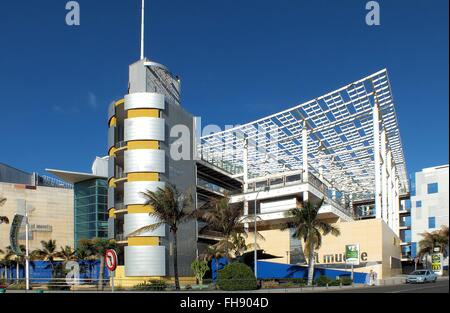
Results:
254 57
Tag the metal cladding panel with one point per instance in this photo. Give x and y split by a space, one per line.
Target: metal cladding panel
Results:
111 165
136 221
111 230
145 261
144 128
133 191
111 110
145 160
144 100
111 137
110 198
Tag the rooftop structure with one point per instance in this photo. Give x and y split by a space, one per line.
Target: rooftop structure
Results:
332 135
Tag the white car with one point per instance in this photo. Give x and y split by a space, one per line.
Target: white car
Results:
421 276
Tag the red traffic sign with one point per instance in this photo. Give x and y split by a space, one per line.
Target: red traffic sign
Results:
111 260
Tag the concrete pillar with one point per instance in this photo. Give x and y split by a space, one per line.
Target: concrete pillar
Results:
390 189
384 185
305 153
376 150
245 177
397 206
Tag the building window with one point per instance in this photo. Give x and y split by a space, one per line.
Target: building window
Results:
418 204
432 222
408 204
433 188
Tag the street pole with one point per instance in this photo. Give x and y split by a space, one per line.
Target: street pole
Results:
27 250
256 249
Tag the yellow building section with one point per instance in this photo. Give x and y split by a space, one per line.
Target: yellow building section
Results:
122 281
142 113
119 102
138 208
143 144
143 241
112 183
143 177
112 151
113 121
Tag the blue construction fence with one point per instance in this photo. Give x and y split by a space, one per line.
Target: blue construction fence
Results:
270 270
41 271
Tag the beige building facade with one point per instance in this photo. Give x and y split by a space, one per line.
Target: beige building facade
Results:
379 247
51 214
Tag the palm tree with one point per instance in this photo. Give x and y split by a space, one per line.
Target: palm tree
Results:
18 258
99 246
431 240
213 252
170 207
48 253
3 219
239 243
85 252
223 217
307 226
66 254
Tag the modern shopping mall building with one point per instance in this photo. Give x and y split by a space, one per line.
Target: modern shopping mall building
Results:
49 203
344 147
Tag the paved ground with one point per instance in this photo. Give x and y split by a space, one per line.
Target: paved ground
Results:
393 286
441 286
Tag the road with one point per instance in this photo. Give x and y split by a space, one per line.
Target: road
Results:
441 286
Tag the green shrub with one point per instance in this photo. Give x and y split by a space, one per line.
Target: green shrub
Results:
17 286
299 281
236 276
154 285
322 281
336 282
346 281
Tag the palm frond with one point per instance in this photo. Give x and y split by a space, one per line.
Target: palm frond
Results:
147 228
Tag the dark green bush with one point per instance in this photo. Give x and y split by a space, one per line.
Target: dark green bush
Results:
299 281
346 281
336 282
154 285
322 281
236 276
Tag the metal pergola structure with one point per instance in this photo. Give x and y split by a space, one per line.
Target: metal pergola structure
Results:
333 136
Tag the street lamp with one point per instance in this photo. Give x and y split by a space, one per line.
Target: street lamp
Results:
266 188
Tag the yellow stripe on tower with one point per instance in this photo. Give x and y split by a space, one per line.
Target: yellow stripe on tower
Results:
143 177
143 113
143 241
143 144
137 208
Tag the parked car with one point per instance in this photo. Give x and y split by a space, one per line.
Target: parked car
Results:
421 276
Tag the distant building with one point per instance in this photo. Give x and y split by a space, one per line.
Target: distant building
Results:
90 200
48 200
429 203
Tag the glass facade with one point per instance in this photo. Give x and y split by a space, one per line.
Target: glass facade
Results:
405 235
405 221
91 209
418 204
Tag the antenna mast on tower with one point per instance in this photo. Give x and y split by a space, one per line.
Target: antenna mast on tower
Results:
142 29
